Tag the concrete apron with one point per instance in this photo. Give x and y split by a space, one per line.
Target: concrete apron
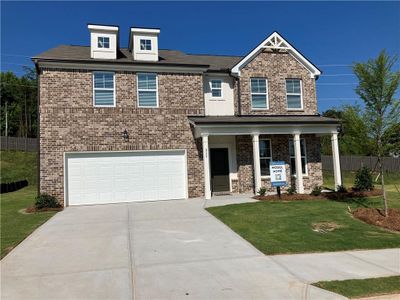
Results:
166 250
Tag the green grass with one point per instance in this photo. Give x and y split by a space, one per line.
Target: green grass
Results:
18 165
391 179
363 287
14 225
286 227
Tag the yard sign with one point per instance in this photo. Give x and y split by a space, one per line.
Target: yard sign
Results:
277 169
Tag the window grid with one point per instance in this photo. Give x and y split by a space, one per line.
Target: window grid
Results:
103 42
259 92
103 89
149 83
266 156
145 45
293 157
216 88
294 91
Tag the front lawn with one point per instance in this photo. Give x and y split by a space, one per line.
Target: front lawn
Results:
363 287
290 227
16 226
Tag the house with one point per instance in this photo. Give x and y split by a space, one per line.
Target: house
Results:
142 123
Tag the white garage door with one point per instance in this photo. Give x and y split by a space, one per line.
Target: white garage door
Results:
98 178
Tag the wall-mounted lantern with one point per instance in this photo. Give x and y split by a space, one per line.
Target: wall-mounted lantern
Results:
125 135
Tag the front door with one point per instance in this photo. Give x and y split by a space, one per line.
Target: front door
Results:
219 169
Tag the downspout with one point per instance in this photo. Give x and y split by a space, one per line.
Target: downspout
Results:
239 105
38 125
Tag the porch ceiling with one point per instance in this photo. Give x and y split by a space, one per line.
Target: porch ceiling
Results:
278 124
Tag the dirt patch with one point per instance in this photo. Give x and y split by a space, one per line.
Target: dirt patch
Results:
32 210
376 217
322 196
324 227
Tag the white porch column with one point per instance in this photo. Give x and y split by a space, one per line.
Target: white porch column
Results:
206 161
256 158
299 171
336 160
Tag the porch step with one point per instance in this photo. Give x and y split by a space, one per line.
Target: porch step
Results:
222 194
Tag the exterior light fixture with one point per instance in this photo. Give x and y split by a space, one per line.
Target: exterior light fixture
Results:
339 129
125 135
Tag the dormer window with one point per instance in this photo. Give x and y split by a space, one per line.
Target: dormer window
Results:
103 42
145 45
216 88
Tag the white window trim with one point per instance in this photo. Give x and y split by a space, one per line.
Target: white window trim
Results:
144 50
305 157
138 90
211 89
103 89
295 94
266 94
270 143
103 37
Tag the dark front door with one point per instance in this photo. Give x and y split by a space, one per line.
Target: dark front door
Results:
219 169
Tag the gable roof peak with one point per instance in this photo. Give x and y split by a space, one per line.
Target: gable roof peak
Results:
275 41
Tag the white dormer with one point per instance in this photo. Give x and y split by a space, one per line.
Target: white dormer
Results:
144 43
103 41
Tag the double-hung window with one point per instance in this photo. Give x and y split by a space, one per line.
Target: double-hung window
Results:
147 90
259 93
216 88
303 157
145 45
103 89
265 156
294 96
103 42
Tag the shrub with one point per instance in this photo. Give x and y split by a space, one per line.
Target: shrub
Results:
291 190
341 189
363 180
262 191
316 190
46 201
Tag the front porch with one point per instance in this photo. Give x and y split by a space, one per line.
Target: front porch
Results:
237 151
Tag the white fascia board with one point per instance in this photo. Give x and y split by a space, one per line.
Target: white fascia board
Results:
145 30
103 27
248 129
314 71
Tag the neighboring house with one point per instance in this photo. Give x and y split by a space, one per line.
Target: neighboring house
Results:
142 123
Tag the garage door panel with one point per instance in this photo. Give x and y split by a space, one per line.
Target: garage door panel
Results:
97 178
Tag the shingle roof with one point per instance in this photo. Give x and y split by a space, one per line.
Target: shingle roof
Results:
173 57
276 119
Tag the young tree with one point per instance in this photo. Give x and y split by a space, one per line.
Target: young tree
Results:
377 87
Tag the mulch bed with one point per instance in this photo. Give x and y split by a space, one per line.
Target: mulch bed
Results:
376 217
322 196
32 209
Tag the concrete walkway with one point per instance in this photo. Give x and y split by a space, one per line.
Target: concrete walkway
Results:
168 250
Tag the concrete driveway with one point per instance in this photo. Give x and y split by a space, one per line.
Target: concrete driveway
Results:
168 250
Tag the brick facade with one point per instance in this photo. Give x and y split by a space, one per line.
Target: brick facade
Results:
69 122
276 67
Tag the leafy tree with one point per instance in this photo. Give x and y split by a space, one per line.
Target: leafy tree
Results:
377 88
354 139
19 103
392 140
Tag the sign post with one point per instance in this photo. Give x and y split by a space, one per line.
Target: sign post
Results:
277 169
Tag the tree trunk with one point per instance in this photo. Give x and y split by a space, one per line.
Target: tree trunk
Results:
385 204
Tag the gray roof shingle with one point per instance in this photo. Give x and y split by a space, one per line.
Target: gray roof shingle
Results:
172 57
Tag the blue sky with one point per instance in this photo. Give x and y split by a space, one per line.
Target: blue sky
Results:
331 34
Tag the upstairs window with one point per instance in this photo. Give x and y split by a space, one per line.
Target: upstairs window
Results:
103 42
293 94
147 90
145 45
259 93
216 88
103 89
265 156
303 157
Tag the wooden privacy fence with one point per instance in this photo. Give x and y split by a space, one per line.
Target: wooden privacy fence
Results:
18 143
353 163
